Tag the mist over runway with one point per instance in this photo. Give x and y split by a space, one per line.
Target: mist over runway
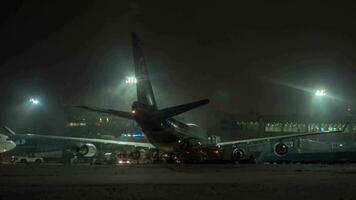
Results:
178 182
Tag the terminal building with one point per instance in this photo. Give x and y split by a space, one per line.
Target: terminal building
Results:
241 126
324 147
102 126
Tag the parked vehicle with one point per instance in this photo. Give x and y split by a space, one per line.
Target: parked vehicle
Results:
105 159
123 158
27 159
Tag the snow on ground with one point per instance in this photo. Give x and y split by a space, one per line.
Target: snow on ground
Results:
178 182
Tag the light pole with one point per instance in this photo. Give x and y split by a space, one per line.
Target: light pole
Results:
319 106
131 80
350 121
34 102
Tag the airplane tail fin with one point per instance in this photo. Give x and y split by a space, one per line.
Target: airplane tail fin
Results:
127 115
145 94
144 89
176 110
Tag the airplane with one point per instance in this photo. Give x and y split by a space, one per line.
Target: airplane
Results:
171 136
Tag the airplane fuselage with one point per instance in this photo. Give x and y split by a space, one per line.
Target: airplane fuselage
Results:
166 134
164 140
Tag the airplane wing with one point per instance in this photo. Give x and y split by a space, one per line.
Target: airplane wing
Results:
94 140
278 137
105 141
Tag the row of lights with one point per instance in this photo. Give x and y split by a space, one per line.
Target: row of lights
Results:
129 80
133 80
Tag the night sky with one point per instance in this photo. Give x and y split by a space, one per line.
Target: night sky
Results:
259 57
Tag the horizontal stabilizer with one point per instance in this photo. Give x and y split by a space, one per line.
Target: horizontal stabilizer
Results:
127 115
176 110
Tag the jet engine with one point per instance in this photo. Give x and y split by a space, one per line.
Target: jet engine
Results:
86 150
238 154
135 154
280 149
188 144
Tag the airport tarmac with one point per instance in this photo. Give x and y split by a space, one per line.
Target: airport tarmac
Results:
292 181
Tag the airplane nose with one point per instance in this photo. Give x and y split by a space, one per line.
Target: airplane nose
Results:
11 145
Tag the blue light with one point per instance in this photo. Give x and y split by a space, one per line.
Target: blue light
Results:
322 129
20 141
137 134
134 134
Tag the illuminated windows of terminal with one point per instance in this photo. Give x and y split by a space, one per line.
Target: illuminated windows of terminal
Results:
100 121
76 124
302 127
284 127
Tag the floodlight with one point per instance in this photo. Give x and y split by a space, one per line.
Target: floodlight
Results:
320 93
131 80
34 101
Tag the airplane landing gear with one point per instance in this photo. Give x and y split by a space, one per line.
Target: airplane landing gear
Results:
154 155
169 158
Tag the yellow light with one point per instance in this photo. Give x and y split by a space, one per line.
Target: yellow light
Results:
74 124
